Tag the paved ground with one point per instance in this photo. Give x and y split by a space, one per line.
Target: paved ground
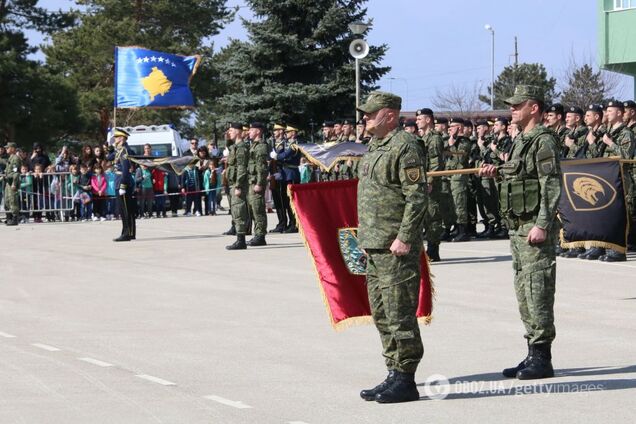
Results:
173 328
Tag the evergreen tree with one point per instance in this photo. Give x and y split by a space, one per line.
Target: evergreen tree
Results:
35 105
85 53
584 87
296 65
524 73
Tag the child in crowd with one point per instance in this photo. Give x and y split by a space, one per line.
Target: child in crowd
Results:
209 185
55 193
111 192
86 202
190 188
160 189
26 192
71 194
143 180
305 171
98 187
40 192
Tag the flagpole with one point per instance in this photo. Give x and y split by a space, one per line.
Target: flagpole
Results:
114 118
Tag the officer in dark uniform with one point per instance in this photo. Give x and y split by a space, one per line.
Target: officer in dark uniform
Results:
122 168
289 160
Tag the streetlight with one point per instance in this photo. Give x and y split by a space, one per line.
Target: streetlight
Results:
406 83
488 27
359 49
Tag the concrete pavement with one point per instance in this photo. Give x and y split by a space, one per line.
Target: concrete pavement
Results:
172 328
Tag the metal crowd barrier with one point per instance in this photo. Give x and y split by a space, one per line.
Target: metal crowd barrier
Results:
46 194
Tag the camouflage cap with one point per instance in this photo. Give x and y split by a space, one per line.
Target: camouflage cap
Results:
523 93
379 100
11 144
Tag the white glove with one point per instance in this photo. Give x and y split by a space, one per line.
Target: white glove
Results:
273 155
226 152
122 191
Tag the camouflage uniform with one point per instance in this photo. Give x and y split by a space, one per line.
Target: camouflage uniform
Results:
257 174
458 158
579 135
392 173
12 185
489 195
237 162
434 161
447 205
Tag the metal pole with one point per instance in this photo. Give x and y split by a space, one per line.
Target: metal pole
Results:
114 118
357 89
492 73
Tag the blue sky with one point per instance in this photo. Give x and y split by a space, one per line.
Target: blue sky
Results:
434 45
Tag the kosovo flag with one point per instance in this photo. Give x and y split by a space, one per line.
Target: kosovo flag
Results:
148 78
592 207
327 155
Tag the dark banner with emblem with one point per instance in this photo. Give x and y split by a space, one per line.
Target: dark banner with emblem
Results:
327 155
327 218
176 165
592 206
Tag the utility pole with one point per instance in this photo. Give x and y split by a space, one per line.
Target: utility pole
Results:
516 53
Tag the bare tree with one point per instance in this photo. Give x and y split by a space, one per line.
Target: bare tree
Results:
461 99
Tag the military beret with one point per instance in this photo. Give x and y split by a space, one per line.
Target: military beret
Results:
481 122
258 125
11 144
615 103
410 123
279 126
36 145
424 111
348 121
468 123
595 108
328 124
502 120
290 128
379 100
523 93
456 120
575 109
556 108
337 122
236 126
629 104
362 122
441 120
120 132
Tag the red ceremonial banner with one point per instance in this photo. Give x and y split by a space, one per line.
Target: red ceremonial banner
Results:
321 210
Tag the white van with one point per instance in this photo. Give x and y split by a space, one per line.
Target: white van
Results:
164 139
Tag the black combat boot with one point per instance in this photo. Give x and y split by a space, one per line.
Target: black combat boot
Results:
461 234
433 252
239 244
123 238
613 256
594 253
403 389
573 253
501 232
13 221
539 365
369 394
257 241
471 230
231 231
512 372
291 229
278 229
488 232
445 235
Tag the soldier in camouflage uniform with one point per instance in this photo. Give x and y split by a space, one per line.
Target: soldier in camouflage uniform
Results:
392 173
619 141
458 156
629 117
574 140
12 185
345 168
434 161
530 191
447 206
554 116
257 179
237 161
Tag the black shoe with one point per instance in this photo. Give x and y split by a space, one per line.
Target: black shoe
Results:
573 253
402 389
123 238
488 233
231 231
11 222
512 372
278 229
584 254
445 235
369 394
461 234
613 256
539 365
239 244
257 241
594 253
559 250
433 252
291 229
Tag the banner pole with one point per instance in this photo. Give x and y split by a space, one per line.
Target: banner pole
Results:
114 118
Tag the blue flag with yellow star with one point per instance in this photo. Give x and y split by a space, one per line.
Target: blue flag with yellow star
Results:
152 79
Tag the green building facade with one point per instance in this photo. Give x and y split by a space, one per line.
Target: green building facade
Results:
617 36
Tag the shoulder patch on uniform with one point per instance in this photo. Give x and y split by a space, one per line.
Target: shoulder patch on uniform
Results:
413 174
546 158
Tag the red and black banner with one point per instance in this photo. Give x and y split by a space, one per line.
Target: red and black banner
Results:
592 207
327 217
